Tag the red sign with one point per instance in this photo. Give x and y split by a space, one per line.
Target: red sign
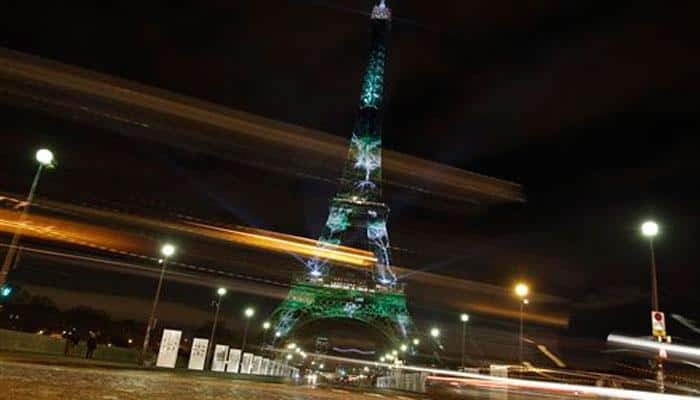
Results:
658 324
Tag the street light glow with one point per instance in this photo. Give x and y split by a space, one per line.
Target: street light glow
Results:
404 348
44 157
464 317
167 250
650 229
249 312
416 342
221 291
522 290
435 332
266 325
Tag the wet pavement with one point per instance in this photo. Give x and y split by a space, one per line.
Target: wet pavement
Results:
20 381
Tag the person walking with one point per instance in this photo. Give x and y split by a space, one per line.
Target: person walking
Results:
91 344
70 335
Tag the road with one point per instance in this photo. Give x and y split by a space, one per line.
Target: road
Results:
20 381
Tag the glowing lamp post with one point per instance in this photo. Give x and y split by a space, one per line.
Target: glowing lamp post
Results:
248 313
166 251
221 292
521 290
464 318
45 159
650 229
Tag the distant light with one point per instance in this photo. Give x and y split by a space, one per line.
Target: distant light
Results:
167 250
522 290
382 359
416 342
266 325
366 368
404 348
464 317
650 229
315 273
435 332
44 157
249 312
221 291
130 341
6 291
395 353
278 334
292 346
289 356
526 301
297 350
321 366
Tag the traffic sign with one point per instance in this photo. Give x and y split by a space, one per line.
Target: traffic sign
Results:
658 324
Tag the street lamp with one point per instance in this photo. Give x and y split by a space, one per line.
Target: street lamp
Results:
416 342
464 318
45 159
266 327
248 312
221 292
650 229
404 348
435 333
521 290
167 250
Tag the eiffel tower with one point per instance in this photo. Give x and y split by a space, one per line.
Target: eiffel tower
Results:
357 218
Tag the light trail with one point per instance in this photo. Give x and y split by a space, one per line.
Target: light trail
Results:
671 349
510 383
125 242
57 229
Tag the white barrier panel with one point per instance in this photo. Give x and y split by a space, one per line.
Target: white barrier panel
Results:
265 366
234 360
169 345
257 364
198 354
218 362
246 363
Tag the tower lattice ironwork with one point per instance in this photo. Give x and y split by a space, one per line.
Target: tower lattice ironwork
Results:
356 212
357 217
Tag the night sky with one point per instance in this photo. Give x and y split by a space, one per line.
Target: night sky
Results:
591 106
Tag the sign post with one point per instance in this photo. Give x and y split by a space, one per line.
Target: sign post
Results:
658 324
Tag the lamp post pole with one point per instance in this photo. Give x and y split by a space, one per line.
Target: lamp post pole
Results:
221 292
249 312
650 229
520 341
464 318
167 250
46 159
521 290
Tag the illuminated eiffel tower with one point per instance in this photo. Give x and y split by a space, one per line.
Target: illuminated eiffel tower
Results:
357 218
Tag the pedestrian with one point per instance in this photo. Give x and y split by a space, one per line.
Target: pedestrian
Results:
91 344
71 336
